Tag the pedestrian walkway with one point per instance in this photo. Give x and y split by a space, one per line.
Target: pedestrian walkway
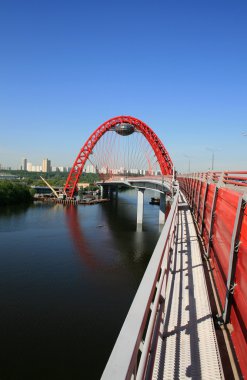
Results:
186 343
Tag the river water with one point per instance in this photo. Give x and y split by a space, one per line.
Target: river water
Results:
68 276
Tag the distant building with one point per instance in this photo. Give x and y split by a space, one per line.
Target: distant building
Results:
5 167
104 170
45 189
36 168
29 166
33 168
24 164
4 176
46 165
82 185
90 169
62 169
134 171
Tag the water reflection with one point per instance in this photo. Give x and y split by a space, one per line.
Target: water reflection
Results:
13 210
133 240
122 242
81 242
139 227
67 277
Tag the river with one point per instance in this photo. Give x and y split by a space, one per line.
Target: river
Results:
68 276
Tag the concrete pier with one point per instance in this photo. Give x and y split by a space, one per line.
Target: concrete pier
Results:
140 205
105 191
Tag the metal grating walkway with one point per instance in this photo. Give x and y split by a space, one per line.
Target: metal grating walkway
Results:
187 346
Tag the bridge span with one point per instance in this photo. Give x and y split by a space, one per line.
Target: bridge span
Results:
188 318
162 184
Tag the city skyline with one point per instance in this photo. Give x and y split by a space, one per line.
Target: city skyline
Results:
186 78
46 166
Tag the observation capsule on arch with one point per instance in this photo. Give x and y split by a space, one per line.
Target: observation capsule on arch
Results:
124 129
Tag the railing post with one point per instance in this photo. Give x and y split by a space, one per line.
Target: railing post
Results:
188 191
204 206
212 219
233 258
186 186
189 187
198 200
225 177
194 203
193 194
191 190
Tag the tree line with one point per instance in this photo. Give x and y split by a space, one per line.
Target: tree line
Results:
54 178
18 191
14 193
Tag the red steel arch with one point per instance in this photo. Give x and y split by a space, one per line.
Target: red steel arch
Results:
159 149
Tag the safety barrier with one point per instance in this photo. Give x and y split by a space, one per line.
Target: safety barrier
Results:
236 178
130 356
218 202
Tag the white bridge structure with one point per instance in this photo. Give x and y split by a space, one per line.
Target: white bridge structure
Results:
162 184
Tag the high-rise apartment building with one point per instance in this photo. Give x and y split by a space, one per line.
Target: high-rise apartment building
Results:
46 165
24 164
90 169
36 168
62 169
29 166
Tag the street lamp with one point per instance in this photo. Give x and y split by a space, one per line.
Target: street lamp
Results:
185 155
213 152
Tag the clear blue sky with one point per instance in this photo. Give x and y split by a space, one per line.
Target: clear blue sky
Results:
180 66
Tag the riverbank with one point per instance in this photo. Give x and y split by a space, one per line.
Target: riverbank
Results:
14 193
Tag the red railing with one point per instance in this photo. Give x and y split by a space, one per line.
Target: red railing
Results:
218 202
236 178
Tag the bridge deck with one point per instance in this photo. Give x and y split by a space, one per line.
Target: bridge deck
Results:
186 343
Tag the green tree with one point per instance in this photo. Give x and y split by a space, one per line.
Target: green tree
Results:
14 193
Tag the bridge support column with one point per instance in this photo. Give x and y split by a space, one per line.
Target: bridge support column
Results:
162 208
111 192
105 191
140 204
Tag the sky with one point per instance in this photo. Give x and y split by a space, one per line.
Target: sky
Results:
179 65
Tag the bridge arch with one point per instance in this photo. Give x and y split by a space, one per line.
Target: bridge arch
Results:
159 149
